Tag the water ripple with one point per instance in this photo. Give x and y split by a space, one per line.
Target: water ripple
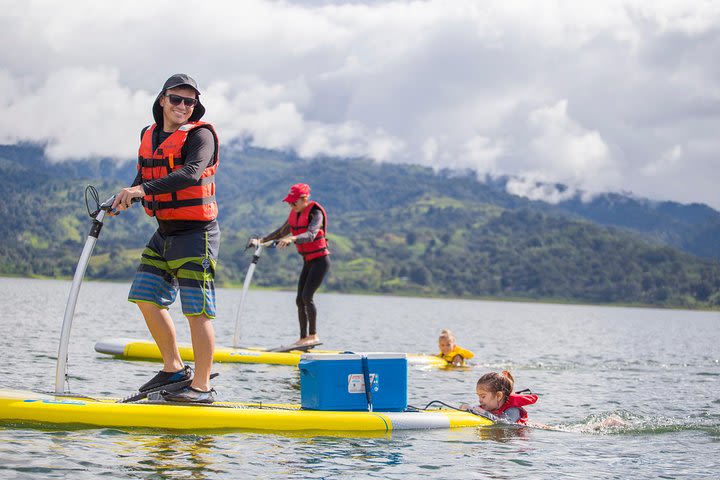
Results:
624 393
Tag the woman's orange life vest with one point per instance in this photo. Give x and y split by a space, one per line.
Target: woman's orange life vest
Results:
516 400
299 224
196 202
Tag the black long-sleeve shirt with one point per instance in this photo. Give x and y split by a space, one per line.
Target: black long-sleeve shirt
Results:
199 152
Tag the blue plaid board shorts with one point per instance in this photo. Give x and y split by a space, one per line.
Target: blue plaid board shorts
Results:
179 262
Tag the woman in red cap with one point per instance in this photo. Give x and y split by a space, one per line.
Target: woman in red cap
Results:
305 227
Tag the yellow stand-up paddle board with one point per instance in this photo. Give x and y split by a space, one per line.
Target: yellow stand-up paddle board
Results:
30 408
147 350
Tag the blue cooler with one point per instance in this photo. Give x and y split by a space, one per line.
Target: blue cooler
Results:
336 382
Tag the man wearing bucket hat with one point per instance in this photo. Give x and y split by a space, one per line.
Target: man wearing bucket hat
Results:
177 162
306 227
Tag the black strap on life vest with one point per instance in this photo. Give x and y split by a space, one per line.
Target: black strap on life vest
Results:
160 162
305 254
191 202
175 203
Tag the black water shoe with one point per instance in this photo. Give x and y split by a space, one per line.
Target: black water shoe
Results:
166 378
189 395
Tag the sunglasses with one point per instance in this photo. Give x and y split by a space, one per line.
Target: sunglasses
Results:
177 100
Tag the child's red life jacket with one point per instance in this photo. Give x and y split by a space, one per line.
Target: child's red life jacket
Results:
518 401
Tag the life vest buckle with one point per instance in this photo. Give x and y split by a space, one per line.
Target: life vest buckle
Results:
151 205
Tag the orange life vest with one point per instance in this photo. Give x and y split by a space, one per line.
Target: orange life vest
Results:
299 224
196 202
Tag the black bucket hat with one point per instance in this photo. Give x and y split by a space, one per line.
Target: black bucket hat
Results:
178 80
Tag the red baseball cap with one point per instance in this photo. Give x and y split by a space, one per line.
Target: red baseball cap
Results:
296 191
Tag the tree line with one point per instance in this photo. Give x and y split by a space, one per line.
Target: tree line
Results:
393 229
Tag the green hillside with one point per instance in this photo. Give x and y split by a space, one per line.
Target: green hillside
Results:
393 229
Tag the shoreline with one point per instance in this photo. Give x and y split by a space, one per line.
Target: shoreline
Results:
322 290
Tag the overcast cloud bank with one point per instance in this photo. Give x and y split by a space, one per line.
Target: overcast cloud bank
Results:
600 96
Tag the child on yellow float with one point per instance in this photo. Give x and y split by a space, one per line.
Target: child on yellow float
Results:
450 352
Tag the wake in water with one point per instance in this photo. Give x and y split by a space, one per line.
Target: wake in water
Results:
622 422
619 422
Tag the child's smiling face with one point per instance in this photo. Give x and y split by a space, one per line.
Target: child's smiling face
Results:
489 400
446 345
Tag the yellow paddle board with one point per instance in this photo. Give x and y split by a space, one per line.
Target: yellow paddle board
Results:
147 350
30 408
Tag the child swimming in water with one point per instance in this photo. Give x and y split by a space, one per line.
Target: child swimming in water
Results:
450 351
497 400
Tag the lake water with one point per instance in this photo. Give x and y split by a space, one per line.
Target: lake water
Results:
658 370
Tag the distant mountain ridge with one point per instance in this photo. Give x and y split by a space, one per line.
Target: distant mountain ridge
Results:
394 228
694 228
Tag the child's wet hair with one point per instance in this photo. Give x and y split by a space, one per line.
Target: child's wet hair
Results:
498 382
448 334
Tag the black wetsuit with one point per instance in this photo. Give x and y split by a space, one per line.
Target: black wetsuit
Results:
311 277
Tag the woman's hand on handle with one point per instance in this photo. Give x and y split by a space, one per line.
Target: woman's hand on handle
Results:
284 242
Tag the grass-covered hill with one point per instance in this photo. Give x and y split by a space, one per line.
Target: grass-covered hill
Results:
393 229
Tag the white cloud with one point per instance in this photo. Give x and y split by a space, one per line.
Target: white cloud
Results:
562 150
668 161
596 95
481 154
534 187
78 113
348 140
429 150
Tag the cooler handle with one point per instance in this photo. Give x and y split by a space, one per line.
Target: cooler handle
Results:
366 377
